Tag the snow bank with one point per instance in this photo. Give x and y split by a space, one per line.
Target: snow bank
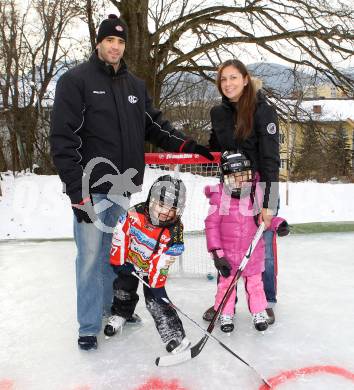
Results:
34 206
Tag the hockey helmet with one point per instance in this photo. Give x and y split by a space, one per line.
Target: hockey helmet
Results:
166 201
236 172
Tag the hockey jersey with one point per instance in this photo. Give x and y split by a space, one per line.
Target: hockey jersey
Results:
146 246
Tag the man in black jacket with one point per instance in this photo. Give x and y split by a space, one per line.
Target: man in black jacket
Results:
101 119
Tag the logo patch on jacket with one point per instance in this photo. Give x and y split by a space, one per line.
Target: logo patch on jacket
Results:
132 99
99 92
271 128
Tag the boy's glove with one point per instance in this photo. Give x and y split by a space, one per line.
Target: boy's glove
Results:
283 229
192 147
221 264
79 210
125 269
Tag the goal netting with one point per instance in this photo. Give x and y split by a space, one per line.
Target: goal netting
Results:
196 172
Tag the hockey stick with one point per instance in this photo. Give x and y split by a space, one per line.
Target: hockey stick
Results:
169 360
197 348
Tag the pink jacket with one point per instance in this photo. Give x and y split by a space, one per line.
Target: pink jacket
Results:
230 226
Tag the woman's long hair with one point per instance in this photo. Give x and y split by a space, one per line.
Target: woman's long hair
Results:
246 104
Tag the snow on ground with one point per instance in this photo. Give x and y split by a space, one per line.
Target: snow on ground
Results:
34 206
314 325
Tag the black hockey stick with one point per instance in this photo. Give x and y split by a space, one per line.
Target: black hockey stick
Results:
169 360
189 354
196 349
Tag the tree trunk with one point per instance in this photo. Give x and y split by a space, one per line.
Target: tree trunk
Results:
138 49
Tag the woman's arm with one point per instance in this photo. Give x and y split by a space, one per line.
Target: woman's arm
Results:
267 130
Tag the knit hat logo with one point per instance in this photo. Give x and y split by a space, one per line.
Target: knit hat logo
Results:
119 28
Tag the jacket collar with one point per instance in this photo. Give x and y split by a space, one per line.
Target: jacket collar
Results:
260 98
108 69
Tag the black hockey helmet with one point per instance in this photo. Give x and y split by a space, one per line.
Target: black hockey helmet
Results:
236 169
166 201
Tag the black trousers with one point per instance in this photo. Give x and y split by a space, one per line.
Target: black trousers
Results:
125 299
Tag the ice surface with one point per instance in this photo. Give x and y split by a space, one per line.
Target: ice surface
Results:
314 325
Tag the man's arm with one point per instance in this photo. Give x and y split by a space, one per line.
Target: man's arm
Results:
161 133
66 121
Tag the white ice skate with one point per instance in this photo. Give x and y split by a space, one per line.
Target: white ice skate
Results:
260 321
115 324
226 323
176 346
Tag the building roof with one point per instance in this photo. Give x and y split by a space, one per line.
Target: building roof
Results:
323 110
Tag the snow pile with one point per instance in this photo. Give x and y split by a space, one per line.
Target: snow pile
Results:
34 206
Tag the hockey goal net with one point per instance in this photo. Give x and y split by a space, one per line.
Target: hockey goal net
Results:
196 172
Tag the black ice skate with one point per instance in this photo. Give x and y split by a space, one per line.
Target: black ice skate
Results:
115 324
271 316
227 324
87 342
260 321
134 319
175 345
209 314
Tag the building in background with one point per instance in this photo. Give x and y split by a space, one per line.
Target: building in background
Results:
328 115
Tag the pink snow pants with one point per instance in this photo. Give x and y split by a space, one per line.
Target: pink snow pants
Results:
256 298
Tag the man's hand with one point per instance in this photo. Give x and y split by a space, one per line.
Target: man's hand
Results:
79 210
192 147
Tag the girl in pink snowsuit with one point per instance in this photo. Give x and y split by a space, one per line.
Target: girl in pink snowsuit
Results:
230 227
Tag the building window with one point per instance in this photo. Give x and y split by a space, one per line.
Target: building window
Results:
317 109
282 138
283 164
333 92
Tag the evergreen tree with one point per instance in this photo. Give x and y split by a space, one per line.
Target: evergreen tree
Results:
338 154
310 155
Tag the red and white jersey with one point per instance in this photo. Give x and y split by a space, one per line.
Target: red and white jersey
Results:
146 246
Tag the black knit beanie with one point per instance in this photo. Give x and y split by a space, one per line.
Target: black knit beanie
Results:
113 26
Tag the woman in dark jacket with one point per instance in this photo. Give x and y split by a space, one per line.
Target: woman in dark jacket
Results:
244 121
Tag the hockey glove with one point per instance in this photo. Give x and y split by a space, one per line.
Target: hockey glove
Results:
192 147
221 264
125 269
80 208
283 229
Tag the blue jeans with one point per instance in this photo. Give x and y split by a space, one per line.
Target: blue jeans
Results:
269 274
94 275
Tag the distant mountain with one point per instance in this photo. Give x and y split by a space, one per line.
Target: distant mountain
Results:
284 80
279 78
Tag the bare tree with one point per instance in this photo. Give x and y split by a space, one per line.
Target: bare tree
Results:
186 100
167 36
33 50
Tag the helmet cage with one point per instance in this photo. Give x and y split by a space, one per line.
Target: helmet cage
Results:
166 201
236 174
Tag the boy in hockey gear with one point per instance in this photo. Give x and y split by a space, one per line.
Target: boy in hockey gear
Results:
230 227
146 241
